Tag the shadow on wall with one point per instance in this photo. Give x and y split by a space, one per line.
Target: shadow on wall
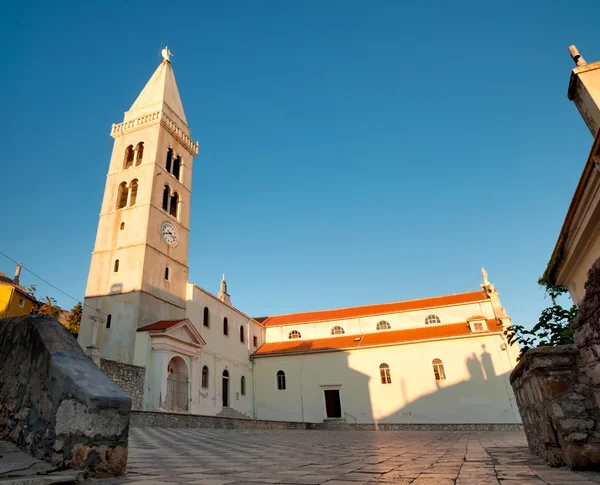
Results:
485 397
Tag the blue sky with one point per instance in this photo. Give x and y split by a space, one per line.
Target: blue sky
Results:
350 152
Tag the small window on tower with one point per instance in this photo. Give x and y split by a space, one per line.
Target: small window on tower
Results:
242 333
177 167
206 317
122 226
116 266
225 326
166 196
139 151
128 162
167 273
122 195
174 204
169 159
134 188
108 320
255 341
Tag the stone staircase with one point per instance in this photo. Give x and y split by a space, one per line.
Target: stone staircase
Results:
232 413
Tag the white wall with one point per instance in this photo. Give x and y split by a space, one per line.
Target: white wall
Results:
476 389
223 352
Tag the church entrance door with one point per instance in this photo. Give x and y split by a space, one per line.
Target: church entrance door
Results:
177 385
333 406
225 388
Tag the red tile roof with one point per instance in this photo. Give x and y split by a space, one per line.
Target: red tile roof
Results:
160 325
382 308
349 342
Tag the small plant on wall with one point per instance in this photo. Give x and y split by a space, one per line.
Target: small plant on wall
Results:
552 328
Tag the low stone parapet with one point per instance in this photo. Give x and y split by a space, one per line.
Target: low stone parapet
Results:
557 405
55 404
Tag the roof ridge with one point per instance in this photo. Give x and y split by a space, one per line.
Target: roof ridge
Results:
484 296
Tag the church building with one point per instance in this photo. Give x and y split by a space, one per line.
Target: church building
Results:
176 347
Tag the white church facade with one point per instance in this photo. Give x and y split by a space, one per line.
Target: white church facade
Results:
434 360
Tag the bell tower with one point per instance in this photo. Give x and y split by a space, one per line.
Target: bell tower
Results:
139 268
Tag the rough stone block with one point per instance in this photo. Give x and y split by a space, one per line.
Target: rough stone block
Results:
55 403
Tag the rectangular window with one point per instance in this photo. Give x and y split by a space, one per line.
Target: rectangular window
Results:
478 326
255 341
21 302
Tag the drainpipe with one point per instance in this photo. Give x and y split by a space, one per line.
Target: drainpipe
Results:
301 391
253 387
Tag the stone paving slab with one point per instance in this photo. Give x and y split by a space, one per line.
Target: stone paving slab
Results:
166 456
19 468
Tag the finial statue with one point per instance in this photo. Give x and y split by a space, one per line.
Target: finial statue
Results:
223 284
485 277
166 53
576 56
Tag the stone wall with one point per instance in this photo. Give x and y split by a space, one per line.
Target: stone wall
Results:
130 378
557 405
141 419
55 403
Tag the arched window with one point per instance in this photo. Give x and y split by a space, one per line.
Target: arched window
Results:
429 319
242 333
225 373
122 195
174 204
169 159
205 377
166 273
177 167
116 266
243 386
294 334
108 320
128 160
386 377
383 325
280 380
225 326
337 330
139 151
122 226
206 317
438 370
133 188
166 196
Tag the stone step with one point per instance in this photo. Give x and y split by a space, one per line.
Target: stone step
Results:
232 413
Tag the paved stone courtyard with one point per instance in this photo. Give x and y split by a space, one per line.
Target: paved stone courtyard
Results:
240 457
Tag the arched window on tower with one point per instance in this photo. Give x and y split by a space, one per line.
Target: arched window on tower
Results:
122 195
133 187
167 273
225 326
166 196
174 205
205 377
128 160
108 320
169 160
139 153
242 333
206 317
116 266
243 386
386 377
177 167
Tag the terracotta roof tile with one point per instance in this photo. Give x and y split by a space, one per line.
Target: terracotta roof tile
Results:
160 325
342 342
382 308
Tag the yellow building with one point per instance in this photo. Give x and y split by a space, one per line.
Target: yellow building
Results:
14 299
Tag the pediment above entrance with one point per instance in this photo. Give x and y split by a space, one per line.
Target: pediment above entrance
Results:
175 335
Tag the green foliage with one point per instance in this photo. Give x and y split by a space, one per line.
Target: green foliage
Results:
48 306
552 328
74 320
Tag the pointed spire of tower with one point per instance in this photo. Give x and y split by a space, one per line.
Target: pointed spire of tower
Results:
160 93
223 295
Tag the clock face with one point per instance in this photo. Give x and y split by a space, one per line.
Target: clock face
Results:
169 233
